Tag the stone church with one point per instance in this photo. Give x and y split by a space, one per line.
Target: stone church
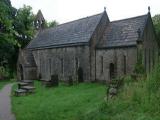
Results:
89 49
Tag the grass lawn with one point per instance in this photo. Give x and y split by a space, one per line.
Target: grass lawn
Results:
136 100
61 103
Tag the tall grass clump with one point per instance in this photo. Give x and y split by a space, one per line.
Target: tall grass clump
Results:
153 81
137 100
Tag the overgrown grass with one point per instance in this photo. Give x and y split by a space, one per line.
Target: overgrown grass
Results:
139 100
61 103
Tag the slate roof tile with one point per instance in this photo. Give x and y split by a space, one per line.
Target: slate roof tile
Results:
122 32
117 33
75 32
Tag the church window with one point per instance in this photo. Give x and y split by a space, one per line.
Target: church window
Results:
153 57
101 64
62 65
50 64
76 64
112 71
145 58
125 62
40 66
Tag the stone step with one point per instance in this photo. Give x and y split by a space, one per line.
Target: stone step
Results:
20 92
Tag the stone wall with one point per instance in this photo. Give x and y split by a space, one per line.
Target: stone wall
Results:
95 63
98 33
63 61
30 73
115 56
26 68
150 46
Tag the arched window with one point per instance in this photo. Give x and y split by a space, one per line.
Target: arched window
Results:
21 72
102 64
149 59
153 57
145 58
125 64
112 71
76 64
40 65
62 65
50 64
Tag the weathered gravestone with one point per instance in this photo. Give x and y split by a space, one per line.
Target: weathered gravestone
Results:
70 81
54 80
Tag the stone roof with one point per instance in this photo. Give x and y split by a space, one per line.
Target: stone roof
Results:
71 33
123 32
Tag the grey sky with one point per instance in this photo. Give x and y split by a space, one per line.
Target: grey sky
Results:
68 10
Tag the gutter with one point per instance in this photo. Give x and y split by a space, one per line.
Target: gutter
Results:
60 46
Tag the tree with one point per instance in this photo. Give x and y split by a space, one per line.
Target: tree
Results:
7 13
16 30
156 22
7 41
6 49
23 25
52 24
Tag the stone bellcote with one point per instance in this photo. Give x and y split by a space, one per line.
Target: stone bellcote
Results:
39 22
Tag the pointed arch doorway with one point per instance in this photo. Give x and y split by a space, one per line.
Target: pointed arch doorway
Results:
21 72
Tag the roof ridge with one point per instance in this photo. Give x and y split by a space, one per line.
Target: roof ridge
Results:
80 19
129 18
65 33
73 21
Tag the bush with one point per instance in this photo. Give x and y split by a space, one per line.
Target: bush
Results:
4 73
128 79
139 69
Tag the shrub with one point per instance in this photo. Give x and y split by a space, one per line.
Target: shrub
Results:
4 73
128 79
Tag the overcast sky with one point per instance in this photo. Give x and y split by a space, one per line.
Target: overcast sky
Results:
68 10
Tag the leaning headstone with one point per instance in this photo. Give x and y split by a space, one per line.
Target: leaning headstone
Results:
113 91
70 81
54 80
40 76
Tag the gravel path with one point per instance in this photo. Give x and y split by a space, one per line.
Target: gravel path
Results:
5 103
